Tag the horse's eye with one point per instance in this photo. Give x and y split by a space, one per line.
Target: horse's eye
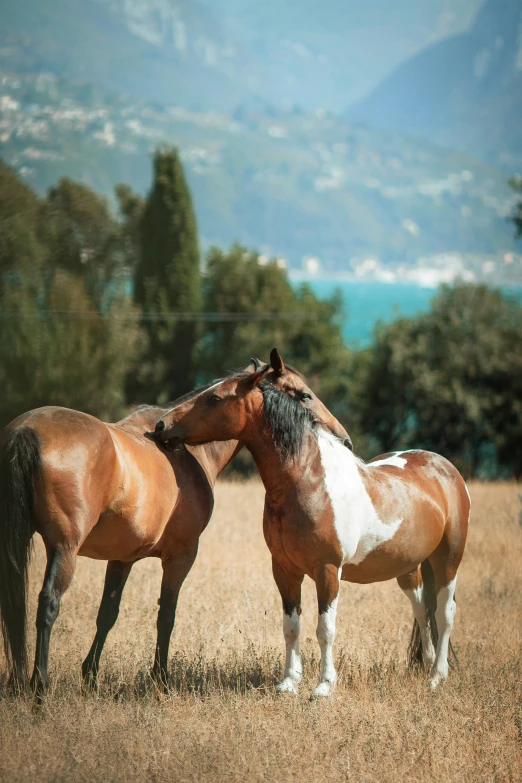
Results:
214 398
306 396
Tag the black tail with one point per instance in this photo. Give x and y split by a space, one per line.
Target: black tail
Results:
430 598
20 465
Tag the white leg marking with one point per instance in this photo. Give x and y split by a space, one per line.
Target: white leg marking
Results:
416 597
293 666
326 638
446 608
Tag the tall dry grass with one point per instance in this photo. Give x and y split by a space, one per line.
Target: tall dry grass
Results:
223 722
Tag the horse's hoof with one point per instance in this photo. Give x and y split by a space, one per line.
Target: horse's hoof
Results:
89 683
436 680
16 685
324 689
39 686
287 686
160 680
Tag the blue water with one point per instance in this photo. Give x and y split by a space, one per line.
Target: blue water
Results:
365 302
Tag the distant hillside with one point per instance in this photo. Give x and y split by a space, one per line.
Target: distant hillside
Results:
213 54
158 50
290 183
465 91
323 54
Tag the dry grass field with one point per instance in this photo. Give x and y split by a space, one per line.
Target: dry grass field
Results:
223 721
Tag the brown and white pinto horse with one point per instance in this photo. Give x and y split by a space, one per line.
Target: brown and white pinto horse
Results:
105 491
330 515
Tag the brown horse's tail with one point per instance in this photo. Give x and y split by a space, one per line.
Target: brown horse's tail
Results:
20 464
430 599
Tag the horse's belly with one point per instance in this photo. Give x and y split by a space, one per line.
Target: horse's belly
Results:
379 566
393 550
116 537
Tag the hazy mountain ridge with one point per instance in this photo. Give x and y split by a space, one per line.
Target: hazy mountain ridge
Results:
169 52
293 184
214 54
216 80
465 91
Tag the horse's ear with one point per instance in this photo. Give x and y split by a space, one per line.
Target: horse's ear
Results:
254 364
256 377
276 362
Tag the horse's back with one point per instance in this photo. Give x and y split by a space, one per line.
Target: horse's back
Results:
430 472
432 476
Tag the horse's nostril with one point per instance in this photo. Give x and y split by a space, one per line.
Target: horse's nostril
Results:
160 426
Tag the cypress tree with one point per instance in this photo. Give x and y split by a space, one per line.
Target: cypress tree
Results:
168 281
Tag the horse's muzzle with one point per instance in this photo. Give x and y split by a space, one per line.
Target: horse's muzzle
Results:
166 437
159 431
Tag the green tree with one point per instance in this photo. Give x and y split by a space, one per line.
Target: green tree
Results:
22 246
449 381
254 308
167 282
84 236
65 338
131 207
56 348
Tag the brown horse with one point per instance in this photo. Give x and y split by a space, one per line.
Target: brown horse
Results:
105 491
331 516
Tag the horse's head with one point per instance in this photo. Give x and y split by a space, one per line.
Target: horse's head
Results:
290 381
223 410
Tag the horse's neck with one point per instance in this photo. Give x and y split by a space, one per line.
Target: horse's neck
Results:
215 456
324 462
283 477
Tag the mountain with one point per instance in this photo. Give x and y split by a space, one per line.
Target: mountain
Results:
246 89
465 91
288 182
323 54
214 54
160 50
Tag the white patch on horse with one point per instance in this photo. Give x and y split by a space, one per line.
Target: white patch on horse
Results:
357 524
395 460
467 490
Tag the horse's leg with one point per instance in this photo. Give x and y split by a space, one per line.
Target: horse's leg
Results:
444 615
115 579
61 562
445 561
175 568
412 586
326 580
289 585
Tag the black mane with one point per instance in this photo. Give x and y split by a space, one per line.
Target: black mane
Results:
286 419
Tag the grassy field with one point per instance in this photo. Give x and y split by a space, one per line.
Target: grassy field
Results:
223 721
